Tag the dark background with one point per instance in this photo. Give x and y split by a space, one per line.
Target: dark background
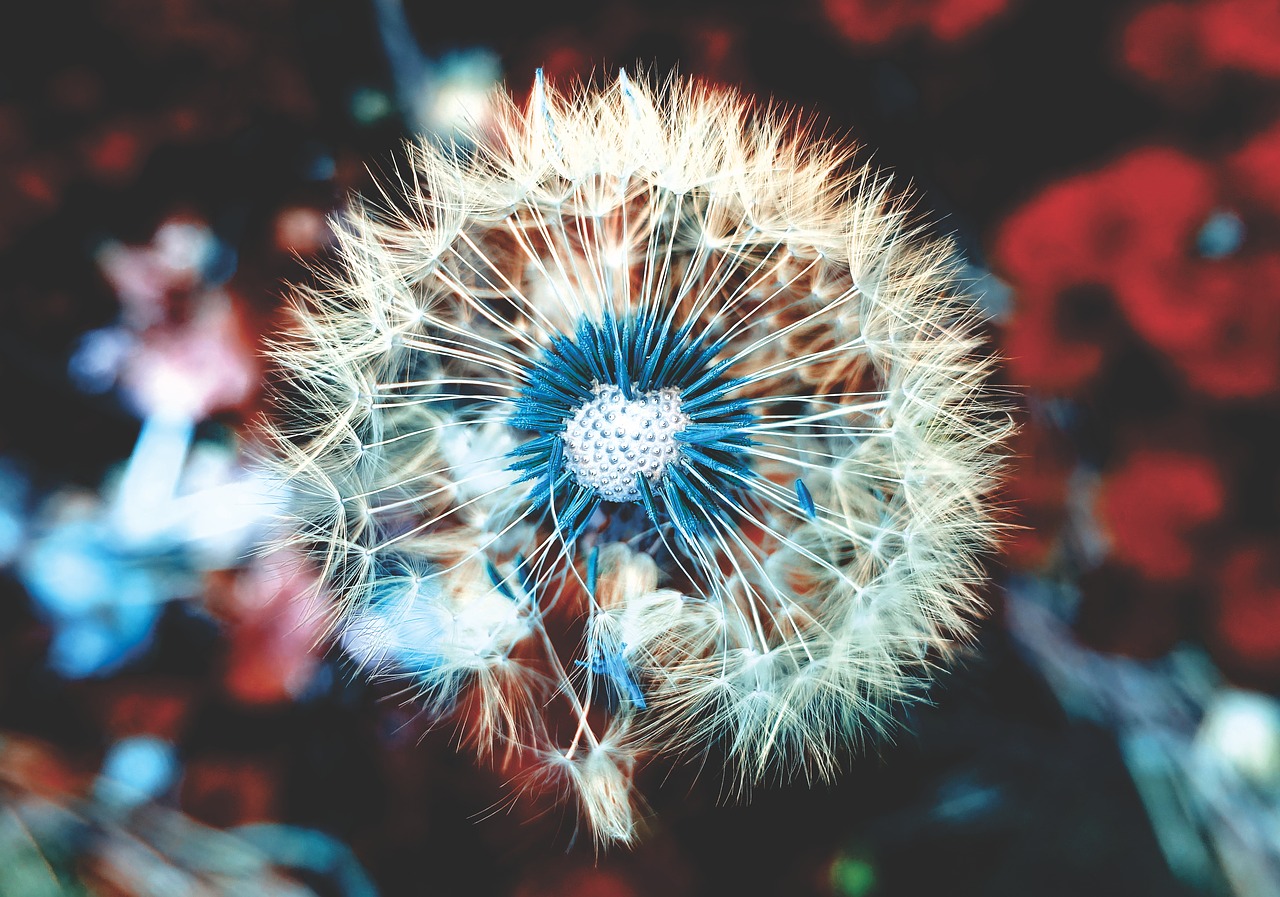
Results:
118 115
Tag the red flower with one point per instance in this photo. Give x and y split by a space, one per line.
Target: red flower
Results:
1247 621
1217 321
1177 44
1255 169
1152 508
881 21
1089 236
1163 44
1171 307
1038 351
1142 210
1243 34
1238 355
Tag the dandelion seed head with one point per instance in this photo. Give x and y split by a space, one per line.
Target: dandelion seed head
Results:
678 423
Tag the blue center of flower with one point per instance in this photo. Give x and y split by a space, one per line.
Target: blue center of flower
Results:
632 409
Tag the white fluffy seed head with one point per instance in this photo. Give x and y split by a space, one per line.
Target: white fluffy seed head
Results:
837 572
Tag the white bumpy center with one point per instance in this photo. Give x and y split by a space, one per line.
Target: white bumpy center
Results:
611 438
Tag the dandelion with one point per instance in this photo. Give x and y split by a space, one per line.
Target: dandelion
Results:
651 425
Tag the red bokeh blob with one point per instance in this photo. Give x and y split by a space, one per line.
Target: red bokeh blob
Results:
1254 170
1090 237
1179 44
1247 617
882 21
1218 322
1153 508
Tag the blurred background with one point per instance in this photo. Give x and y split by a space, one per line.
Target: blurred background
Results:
1111 172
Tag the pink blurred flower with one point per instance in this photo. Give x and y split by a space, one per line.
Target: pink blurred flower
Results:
194 369
276 620
147 279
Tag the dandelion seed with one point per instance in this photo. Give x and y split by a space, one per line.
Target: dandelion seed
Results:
805 497
663 366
